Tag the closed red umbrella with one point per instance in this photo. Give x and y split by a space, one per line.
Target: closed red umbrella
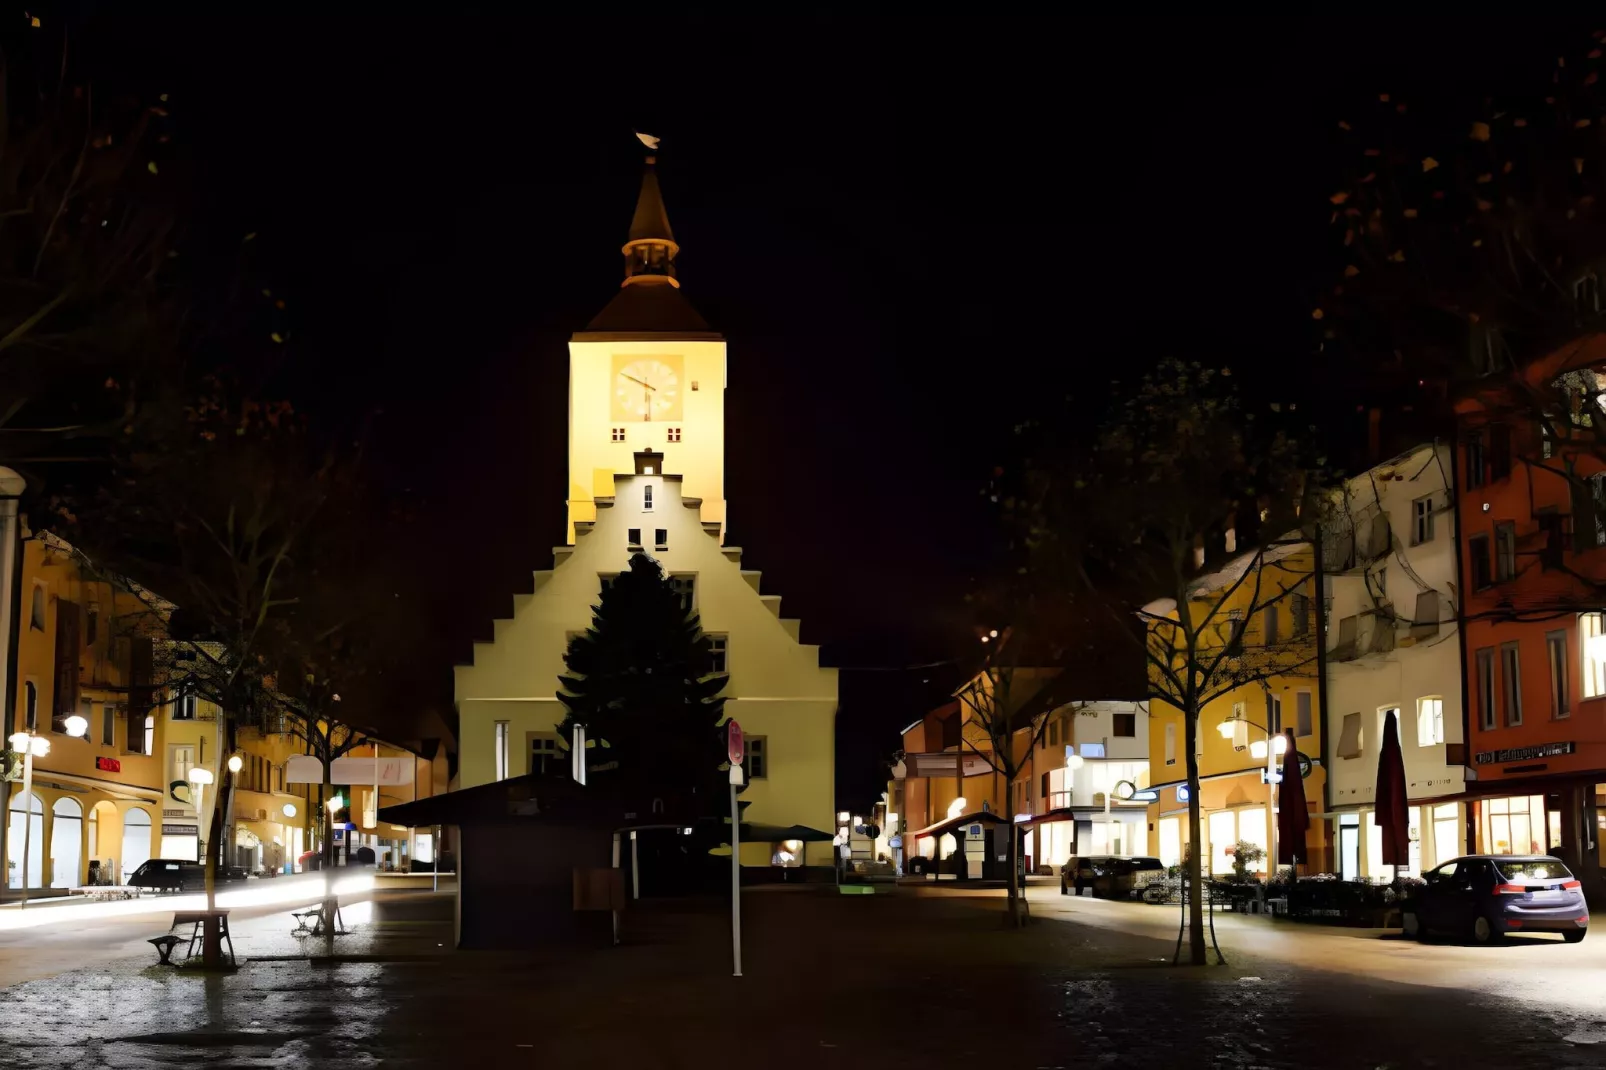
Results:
1390 816
1293 816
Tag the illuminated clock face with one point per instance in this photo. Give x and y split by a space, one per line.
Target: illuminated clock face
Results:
646 388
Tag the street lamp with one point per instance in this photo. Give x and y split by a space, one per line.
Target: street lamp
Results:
76 726
1273 747
200 777
289 809
29 746
235 763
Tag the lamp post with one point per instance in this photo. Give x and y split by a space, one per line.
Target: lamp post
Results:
200 777
28 745
236 763
1274 746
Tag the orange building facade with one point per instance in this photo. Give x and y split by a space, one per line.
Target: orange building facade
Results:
1531 505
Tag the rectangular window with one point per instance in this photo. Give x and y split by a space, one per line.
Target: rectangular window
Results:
1274 714
686 588
1499 452
1547 442
1349 738
1126 725
1592 638
718 653
633 537
1476 472
1429 721
546 757
1485 677
1348 630
185 709
1589 512
108 725
1556 647
674 434
1171 744
618 434
660 537
501 750
1304 722
1425 618
1511 684
1505 551
69 638
36 616
755 757
1554 528
92 624
1299 609
1268 625
1478 562
1421 521
646 497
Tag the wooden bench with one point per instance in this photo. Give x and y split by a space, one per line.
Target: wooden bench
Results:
164 948
196 920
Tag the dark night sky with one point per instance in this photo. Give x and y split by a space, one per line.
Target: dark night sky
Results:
910 233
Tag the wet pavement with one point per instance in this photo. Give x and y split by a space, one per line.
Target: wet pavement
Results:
916 978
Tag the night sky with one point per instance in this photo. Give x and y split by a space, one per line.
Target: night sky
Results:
912 234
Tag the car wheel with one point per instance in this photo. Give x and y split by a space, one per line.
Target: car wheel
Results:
1574 936
1482 931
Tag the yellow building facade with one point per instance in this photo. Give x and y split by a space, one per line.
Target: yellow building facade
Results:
96 807
646 474
1278 610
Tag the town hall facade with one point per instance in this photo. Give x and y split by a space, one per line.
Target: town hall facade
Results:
646 474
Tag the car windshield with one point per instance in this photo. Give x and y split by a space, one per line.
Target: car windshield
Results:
1536 869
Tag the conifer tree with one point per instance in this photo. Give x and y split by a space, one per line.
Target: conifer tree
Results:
639 681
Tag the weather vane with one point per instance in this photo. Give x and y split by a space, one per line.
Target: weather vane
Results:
648 140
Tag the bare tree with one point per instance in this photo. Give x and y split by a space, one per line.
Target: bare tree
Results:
1179 476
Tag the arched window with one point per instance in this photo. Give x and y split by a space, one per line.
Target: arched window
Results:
27 823
33 705
136 841
36 618
66 843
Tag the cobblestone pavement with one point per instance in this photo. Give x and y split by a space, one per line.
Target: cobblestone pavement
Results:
909 979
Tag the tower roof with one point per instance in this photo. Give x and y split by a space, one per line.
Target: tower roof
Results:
651 221
649 302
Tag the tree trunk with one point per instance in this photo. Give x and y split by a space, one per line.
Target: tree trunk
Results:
211 931
328 853
1195 853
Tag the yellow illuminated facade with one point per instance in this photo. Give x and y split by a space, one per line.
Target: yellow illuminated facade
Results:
1236 802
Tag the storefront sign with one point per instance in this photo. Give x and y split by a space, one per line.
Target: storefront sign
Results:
1523 754
109 765
181 830
175 813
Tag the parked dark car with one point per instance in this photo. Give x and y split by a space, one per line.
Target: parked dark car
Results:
1485 897
1109 876
178 875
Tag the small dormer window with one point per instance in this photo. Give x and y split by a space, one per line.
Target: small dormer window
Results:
674 434
646 497
618 434
1586 294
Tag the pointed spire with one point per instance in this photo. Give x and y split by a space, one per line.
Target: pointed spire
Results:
651 250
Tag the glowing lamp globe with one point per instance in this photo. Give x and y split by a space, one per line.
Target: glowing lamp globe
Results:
76 726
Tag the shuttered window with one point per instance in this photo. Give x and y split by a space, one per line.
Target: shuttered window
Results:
69 636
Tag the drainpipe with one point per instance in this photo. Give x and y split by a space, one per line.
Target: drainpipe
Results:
1321 689
11 487
1469 827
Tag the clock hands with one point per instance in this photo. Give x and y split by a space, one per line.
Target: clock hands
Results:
639 382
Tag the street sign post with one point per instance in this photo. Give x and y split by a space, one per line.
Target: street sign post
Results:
733 750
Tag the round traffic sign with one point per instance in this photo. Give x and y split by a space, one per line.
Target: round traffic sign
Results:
733 742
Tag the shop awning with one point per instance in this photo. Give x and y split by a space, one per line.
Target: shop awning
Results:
942 828
752 832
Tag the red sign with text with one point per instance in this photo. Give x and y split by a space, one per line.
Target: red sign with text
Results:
109 765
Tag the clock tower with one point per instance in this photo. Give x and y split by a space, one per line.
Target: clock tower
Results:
647 374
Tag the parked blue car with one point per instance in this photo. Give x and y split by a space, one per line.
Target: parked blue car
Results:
1486 897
